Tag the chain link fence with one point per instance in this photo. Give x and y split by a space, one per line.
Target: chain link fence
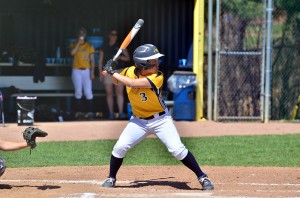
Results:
285 59
240 59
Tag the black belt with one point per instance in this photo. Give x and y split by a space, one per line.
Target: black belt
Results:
151 117
82 68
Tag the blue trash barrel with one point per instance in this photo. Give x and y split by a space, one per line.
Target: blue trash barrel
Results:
183 86
129 110
185 104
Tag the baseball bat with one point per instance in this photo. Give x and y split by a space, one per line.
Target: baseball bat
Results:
127 40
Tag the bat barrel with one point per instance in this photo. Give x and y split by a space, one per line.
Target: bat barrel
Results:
129 37
140 22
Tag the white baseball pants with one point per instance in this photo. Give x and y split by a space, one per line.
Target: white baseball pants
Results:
138 129
82 82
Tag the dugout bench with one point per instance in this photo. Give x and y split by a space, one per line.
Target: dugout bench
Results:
53 86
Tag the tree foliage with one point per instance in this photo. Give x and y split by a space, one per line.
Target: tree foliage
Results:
246 10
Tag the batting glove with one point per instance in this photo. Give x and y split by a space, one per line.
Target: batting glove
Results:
110 67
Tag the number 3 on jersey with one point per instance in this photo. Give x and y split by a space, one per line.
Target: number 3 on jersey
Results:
143 97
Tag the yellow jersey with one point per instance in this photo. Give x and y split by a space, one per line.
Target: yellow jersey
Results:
145 101
82 57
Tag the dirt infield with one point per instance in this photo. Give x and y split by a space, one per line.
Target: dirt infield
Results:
149 181
158 181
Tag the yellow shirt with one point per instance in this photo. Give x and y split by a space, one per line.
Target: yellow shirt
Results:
82 56
145 101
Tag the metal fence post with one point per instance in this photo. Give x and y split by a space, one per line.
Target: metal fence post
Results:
209 57
268 61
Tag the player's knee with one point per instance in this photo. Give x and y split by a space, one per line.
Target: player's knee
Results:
180 153
120 150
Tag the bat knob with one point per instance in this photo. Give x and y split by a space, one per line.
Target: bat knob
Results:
104 73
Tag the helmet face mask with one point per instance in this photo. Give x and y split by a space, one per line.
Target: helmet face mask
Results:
143 53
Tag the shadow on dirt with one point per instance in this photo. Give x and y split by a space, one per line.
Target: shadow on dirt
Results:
44 187
158 182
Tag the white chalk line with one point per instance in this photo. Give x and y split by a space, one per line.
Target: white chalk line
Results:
99 182
130 195
94 182
262 184
164 195
175 194
82 195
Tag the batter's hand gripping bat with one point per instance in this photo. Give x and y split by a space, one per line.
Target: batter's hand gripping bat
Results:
127 40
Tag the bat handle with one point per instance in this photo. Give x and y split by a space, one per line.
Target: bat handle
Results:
117 54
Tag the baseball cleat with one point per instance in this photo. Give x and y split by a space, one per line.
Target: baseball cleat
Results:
122 116
206 183
111 116
109 182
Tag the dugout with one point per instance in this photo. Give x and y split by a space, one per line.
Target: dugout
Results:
37 28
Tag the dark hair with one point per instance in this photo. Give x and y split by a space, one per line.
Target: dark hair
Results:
82 29
115 32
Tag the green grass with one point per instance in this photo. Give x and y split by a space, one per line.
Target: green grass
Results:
265 150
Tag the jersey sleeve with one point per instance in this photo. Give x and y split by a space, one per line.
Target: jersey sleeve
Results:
123 72
91 49
157 79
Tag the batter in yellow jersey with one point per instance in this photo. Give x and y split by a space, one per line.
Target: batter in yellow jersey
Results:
145 101
150 116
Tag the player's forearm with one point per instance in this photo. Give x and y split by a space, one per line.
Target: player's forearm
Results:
75 49
129 82
118 79
12 146
92 62
92 66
